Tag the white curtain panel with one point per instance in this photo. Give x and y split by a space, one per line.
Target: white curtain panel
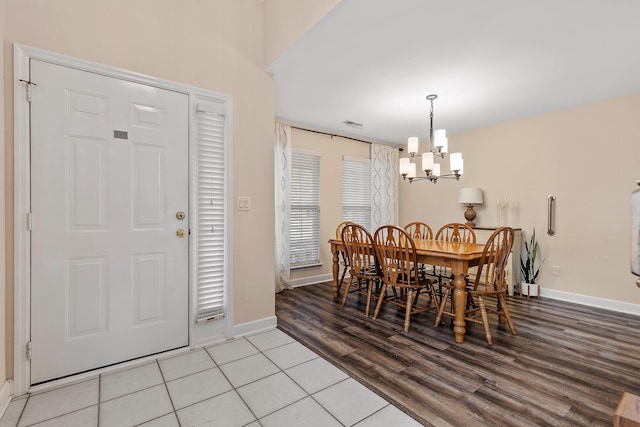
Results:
384 185
283 196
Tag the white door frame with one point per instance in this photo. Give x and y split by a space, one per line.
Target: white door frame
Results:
199 334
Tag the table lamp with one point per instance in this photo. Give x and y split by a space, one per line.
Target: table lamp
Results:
470 196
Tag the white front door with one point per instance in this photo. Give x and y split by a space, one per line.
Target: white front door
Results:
109 273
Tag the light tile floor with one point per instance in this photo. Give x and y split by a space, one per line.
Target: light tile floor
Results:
266 379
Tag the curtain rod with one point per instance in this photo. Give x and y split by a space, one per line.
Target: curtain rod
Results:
330 134
333 134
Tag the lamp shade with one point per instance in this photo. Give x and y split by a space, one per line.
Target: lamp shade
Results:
412 170
439 136
427 161
470 196
412 145
404 165
456 162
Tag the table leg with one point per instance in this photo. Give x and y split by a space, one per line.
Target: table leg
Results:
459 303
336 260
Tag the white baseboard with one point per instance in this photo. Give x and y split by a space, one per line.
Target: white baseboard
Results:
205 342
255 326
6 391
623 307
311 280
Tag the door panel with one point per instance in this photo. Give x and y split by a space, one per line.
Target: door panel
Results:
149 288
87 160
86 297
109 276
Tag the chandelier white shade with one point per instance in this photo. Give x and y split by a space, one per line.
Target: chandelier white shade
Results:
412 144
438 147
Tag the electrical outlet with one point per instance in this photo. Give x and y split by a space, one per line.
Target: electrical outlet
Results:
555 270
243 203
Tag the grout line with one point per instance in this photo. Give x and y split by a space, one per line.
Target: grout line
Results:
211 357
285 406
280 370
326 409
23 409
307 393
252 344
233 387
166 387
133 392
240 358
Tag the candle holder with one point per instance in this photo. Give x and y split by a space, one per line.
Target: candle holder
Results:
502 211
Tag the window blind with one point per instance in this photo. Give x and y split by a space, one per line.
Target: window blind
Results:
304 231
356 192
210 236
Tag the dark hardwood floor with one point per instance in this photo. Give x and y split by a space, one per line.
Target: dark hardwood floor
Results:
568 365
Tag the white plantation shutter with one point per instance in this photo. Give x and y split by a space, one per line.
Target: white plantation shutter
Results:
356 191
210 236
304 232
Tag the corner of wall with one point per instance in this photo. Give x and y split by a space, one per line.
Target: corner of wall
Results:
285 21
6 391
4 321
255 326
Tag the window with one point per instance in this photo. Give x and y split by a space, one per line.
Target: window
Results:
356 191
304 231
210 237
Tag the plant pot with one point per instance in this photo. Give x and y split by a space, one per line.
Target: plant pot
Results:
530 289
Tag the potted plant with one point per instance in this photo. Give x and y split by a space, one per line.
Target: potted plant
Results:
528 267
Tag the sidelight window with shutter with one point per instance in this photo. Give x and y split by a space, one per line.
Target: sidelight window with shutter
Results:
356 191
304 231
209 238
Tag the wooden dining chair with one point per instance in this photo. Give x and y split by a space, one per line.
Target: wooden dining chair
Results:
421 230
342 254
361 259
456 232
396 254
490 281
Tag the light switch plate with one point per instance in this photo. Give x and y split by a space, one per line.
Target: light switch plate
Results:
243 203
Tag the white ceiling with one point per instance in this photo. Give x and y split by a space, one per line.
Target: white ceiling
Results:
490 61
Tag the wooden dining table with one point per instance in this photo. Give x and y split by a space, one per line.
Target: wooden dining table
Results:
457 256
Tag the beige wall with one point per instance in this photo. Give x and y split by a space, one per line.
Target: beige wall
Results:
331 151
588 157
288 20
215 45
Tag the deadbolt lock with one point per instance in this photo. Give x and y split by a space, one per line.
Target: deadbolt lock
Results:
180 232
180 215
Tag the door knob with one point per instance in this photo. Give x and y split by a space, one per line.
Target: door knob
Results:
180 232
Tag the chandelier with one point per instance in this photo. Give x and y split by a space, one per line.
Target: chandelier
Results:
438 147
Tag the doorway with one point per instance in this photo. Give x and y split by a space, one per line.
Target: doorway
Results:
140 193
109 198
